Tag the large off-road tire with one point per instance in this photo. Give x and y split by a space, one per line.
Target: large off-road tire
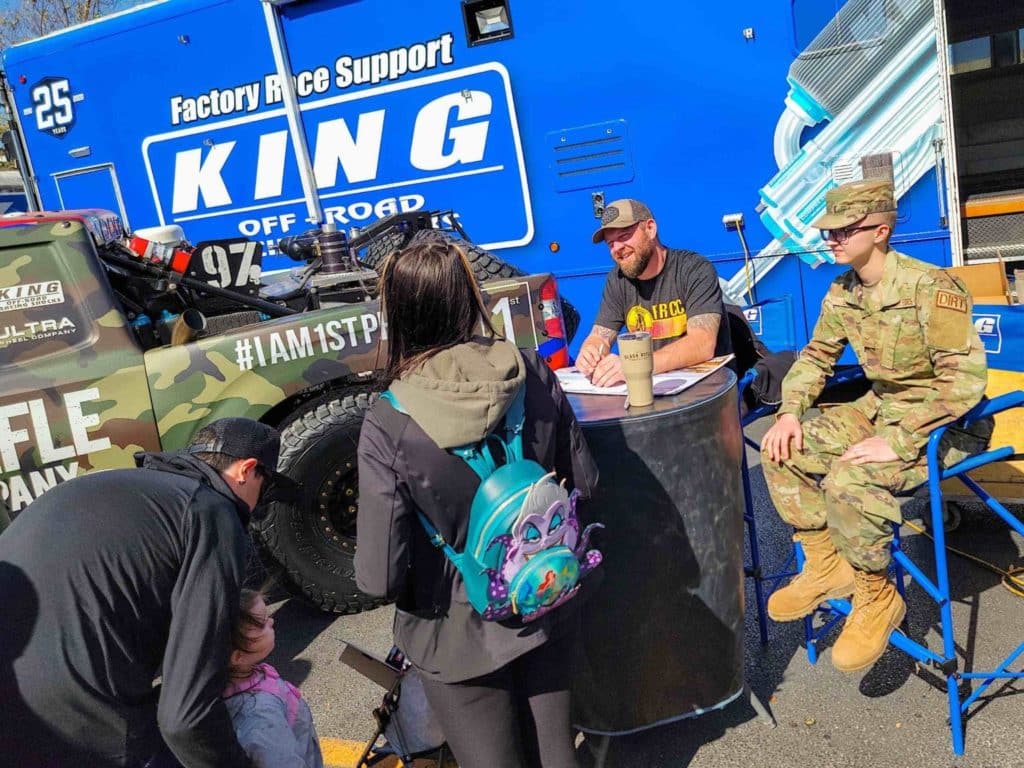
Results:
378 250
486 266
314 541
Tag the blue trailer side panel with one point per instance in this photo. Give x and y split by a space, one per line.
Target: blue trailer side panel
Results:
699 109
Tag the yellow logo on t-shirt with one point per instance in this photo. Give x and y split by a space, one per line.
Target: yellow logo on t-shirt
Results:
639 319
664 320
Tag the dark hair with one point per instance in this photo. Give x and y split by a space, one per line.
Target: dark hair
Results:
246 619
430 302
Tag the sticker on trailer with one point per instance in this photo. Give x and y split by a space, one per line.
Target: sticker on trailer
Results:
988 329
430 142
53 106
754 319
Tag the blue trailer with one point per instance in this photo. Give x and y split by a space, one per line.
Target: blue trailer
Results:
266 118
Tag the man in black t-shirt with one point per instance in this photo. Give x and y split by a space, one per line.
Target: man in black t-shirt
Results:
674 295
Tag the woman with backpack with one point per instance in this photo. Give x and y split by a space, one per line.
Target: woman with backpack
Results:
496 676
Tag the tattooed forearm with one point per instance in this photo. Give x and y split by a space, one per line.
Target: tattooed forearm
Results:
708 322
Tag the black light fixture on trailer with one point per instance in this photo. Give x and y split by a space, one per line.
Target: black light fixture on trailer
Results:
487 21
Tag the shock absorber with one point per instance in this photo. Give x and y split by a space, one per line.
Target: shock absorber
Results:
334 252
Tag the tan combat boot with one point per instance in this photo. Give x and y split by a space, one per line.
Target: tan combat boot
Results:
877 610
825 576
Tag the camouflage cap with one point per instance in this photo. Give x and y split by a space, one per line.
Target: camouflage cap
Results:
621 213
849 203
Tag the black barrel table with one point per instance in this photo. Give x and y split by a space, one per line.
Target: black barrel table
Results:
662 635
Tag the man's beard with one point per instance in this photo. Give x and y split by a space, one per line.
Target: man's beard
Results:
641 258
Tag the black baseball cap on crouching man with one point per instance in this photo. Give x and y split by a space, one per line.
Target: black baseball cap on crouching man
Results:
243 438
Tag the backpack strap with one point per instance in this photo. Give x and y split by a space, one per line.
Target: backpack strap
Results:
435 535
480 456
388 395
479 460
515 418
436 538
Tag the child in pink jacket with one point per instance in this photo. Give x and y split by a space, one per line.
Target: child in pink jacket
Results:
272 721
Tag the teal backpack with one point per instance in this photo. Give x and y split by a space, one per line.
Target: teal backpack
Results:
524 553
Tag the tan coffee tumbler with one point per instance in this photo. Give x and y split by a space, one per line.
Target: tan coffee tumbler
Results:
637 358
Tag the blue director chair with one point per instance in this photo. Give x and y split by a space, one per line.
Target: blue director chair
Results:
946 662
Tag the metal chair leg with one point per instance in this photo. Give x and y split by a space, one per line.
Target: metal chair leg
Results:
755 552
763 713
899 575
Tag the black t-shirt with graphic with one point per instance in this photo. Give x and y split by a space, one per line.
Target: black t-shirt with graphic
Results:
686 287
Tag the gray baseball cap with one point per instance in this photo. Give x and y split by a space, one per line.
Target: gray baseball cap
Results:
620 214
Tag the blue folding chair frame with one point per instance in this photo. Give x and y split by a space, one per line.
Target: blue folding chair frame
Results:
945 663
764 585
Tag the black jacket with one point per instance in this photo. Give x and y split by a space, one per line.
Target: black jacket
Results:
402 469
113 579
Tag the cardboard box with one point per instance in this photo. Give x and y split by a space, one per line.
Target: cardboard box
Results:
987 283
1004 479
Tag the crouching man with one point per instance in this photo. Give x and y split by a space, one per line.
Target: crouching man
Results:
833 476
114 578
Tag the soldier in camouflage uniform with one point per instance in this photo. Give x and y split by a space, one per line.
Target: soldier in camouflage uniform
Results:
833 477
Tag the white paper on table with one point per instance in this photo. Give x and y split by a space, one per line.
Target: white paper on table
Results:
667 383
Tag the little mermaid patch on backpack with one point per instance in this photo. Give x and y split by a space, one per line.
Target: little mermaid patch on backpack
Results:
525 554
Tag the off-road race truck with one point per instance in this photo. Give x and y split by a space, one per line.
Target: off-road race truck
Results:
112 345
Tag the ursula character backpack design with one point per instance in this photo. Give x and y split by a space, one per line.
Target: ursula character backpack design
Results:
524 552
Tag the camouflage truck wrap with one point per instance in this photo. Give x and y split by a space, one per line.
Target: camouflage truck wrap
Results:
254 369
73 396
79 392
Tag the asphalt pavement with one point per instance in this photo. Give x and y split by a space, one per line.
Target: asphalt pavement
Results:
892 715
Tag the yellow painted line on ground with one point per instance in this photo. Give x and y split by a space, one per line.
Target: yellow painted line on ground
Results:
342 753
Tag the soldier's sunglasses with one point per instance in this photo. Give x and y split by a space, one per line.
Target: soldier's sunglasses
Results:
842 235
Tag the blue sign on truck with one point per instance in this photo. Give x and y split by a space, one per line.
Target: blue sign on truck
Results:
261 119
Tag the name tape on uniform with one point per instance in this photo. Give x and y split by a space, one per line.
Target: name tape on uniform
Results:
950 300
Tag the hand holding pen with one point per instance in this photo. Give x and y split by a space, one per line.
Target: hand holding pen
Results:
591 354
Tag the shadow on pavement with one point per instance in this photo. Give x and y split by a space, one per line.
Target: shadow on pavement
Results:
980 534
305 623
